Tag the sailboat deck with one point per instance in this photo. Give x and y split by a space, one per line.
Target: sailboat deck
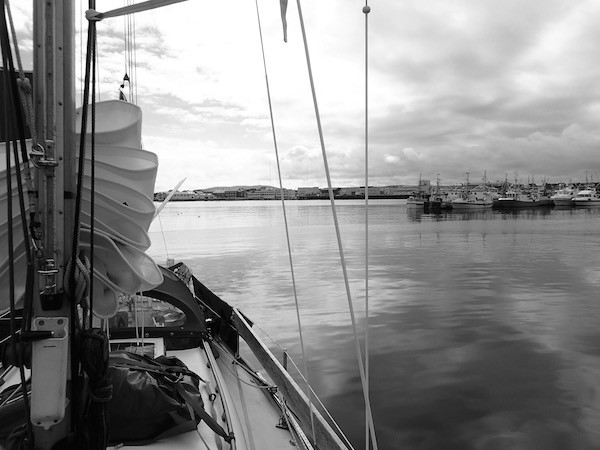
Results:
249 408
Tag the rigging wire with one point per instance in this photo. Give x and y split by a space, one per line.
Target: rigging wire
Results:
14 114
337 228
21 90
81 46
92 182
130 54
285 220
90 67
366 10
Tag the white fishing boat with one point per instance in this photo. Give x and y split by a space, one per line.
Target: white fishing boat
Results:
564 196
588 198
101 346
420 197
472 200
417 201
517 198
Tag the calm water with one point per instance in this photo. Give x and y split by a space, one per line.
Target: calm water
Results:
484 327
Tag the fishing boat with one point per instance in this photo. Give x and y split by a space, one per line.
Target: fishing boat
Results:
420 197
588 198
564 196
517 198
472 200
438 200
101 347
477 198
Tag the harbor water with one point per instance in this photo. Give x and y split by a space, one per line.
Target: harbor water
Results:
483 330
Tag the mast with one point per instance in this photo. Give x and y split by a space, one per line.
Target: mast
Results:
51 399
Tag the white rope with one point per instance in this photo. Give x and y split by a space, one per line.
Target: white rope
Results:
337 230
366 11
285 220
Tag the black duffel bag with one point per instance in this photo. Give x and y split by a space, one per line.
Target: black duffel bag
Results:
153 399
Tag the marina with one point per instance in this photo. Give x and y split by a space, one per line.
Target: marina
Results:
362 308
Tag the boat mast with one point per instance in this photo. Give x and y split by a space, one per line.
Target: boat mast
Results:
54 100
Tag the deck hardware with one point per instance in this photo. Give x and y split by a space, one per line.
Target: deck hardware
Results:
49 273
282 424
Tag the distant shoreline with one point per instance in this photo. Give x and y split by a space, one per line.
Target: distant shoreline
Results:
356 197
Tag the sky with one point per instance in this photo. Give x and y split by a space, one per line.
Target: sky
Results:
510 89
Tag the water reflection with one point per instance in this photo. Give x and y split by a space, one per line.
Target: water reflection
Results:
484 324
417 215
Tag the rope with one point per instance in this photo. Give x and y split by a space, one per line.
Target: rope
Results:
287 421
337 229
93 181
91 43
81 273
237 363
285 220
94 360
130 53
82 285
366 9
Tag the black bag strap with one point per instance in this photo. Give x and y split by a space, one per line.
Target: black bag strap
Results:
150 365
192 400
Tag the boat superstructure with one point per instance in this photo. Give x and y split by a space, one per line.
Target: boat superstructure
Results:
564 196
587 198
421 196
517 198
473 198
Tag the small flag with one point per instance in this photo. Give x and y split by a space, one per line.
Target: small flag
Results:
283 4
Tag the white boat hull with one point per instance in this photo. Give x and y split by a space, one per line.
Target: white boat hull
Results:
589 203
466 205
563 201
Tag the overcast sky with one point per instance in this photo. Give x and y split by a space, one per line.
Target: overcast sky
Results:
454 86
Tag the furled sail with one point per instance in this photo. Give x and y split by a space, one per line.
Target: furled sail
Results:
123 208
